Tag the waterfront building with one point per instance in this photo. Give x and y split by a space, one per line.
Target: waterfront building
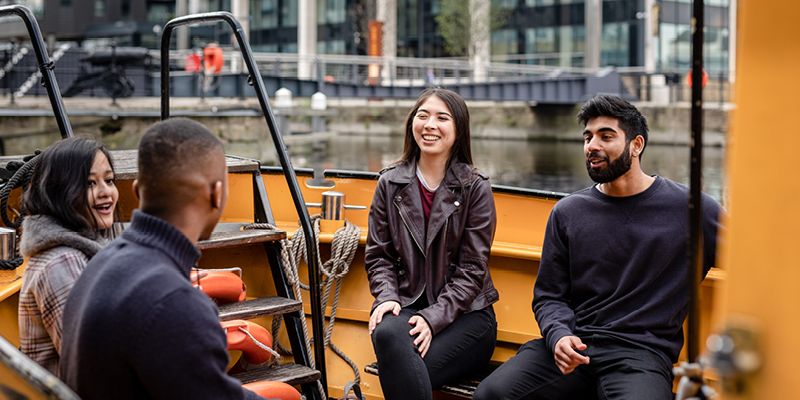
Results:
646 35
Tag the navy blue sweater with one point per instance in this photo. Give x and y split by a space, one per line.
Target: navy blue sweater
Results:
135 328
617 266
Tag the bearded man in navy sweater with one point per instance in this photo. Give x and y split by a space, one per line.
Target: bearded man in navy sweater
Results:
610 297
134 327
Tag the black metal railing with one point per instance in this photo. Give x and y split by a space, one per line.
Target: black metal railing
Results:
288 171
45 65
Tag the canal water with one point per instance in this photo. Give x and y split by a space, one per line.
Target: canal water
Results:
544 165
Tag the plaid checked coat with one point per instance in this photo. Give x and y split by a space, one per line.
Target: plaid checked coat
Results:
56 257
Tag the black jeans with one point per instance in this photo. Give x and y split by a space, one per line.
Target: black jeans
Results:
616 370
461 348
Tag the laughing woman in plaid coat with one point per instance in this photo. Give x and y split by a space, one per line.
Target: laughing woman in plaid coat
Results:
70 209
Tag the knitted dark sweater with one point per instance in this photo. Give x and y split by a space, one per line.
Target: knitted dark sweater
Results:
135 328
617 266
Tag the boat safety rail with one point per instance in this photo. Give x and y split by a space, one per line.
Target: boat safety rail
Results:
257 82
45 65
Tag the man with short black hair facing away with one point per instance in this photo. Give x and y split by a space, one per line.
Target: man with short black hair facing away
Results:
134 327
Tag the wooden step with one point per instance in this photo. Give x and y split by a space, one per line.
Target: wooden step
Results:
258 308
465 388
233 234
292 374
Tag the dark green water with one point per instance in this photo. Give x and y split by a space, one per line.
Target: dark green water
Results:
545 165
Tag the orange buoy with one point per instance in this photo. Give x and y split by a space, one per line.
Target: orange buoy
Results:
222 286
273 390
249 338
213 58
689 78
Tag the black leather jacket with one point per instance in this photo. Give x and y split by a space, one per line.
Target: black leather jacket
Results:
448 262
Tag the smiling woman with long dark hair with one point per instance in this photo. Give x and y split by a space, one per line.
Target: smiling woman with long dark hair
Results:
431 226
70 210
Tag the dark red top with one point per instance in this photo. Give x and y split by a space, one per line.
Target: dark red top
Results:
427 200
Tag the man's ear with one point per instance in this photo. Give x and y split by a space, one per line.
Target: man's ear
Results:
216 194
638 145
136 189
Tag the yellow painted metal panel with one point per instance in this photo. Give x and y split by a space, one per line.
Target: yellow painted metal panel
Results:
9 323
240 199
760 251
238 209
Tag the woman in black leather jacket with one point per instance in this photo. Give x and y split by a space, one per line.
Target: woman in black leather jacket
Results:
431 226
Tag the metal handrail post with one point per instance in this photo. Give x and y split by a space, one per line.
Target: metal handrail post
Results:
695 188
277 139
45 65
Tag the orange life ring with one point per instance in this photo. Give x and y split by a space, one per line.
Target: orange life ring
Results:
238 339
222 286
213 59
704 78
273 390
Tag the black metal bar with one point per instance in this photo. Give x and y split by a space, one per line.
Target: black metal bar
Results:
294 326
263 211
45 65
695 188
283 157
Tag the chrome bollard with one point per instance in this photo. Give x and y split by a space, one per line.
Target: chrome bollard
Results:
332 205
8 243
332 216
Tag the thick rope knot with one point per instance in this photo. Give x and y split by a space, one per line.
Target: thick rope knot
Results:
21 177
343 251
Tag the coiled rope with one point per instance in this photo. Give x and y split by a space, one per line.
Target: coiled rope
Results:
20 178
343 251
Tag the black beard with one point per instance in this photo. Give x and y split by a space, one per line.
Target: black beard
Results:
616 168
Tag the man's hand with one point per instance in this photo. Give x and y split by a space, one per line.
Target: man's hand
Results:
567 359
196 275
421 328
383 308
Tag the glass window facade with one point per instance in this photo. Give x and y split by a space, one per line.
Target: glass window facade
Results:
615 49
674 39
264 15
331 11
551 32
504 3
273 26
99 8
504 41
547 32
540 40
288 13
417 31
159 12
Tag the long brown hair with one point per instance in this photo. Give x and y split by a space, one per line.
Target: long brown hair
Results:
60 182
461 150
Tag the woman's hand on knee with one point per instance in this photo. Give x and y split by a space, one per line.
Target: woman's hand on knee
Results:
423 333
383 308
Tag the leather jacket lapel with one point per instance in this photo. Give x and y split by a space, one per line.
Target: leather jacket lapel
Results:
409 205
444 205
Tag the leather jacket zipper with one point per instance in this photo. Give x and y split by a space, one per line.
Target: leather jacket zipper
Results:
403 218
424 256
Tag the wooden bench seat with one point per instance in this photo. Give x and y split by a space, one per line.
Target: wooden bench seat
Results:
464 389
